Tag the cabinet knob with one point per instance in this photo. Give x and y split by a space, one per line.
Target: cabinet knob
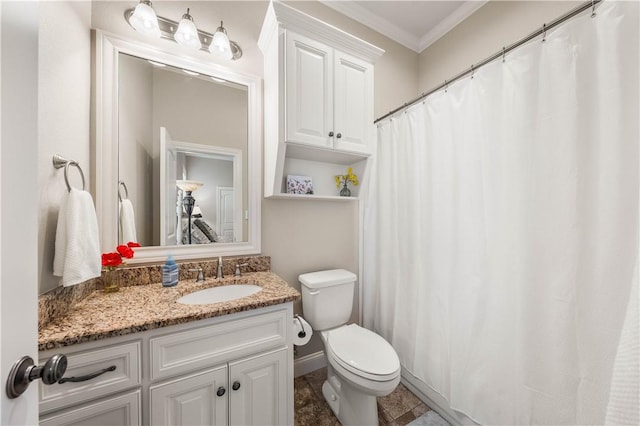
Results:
221 391
330 134
339 135
236 386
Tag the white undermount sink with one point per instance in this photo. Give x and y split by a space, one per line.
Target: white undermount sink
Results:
223 293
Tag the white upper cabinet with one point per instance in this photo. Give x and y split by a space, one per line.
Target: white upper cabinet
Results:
329 100
353 104
318 85
309 89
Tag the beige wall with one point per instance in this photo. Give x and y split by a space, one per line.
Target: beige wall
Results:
64 82
496 24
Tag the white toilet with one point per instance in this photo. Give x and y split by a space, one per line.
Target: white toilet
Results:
361 364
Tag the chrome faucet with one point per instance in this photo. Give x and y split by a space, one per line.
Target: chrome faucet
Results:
220 274
238 266
200 276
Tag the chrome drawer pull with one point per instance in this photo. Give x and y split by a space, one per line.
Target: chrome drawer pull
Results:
87 377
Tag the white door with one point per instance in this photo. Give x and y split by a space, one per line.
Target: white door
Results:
224 214
258 394
353 104
18 228
309 91
199 399
168 190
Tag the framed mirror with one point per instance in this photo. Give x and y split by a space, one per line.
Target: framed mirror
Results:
177 153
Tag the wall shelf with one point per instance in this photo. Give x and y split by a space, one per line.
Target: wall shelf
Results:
318 85
306 197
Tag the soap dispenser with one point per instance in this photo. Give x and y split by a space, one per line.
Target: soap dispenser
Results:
170 272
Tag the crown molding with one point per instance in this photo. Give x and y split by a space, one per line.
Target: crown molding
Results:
282 16
375 22
398 34
450 22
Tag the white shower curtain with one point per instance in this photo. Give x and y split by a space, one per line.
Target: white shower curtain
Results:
501 226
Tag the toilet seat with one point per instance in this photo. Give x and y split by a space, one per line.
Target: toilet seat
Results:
363 353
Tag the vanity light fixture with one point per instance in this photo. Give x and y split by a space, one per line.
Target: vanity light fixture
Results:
220 45
187 34
144 20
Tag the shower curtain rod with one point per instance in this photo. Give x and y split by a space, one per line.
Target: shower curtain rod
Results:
545 27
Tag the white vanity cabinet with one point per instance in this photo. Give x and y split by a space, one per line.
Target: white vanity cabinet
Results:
318 83
231 370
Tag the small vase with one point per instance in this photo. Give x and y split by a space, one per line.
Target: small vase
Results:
345 191
111 280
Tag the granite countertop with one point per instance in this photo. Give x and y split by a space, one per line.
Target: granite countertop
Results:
145 307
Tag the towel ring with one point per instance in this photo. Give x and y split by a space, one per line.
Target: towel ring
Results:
126 191
60 162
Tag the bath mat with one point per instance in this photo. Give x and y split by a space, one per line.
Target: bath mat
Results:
430 418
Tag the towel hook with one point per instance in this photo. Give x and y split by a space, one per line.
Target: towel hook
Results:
60 162
126 191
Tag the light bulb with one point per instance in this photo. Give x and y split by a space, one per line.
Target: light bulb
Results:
187 33
220 44
144 19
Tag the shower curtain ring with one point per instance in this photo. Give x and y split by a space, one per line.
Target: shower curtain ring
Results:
544 33
473 71
504 54
593 9
446 86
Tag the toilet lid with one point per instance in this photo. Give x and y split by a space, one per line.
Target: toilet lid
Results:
362 351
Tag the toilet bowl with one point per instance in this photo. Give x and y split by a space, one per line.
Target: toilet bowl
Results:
361 364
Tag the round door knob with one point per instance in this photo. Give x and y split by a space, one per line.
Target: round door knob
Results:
330 134
221 391
53 369
24 371
339 135
236 386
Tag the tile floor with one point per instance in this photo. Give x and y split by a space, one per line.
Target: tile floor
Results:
396 409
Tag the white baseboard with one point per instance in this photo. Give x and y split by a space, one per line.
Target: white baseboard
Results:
308 363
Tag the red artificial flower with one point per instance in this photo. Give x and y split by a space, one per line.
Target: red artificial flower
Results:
132 244
125 251
111 259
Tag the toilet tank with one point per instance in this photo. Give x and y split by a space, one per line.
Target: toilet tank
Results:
327 297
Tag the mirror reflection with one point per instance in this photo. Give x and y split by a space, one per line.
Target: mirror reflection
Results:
182 156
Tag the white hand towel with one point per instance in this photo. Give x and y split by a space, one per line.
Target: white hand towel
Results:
127 222
77 257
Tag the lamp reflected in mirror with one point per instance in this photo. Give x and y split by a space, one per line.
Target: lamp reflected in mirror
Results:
187 187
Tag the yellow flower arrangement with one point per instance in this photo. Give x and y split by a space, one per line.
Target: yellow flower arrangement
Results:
343 180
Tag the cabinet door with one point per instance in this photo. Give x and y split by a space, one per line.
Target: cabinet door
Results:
191 400
261 396
309 91
353 104
121 410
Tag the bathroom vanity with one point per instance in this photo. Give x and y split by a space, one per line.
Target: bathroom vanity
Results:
156 361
